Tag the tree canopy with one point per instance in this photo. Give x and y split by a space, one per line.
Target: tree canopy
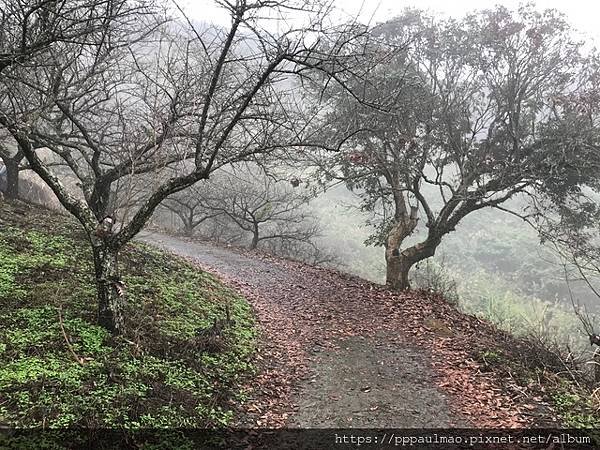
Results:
138 102
471 113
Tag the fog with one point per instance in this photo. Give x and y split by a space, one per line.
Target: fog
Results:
493 264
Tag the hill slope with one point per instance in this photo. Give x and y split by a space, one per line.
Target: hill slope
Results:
340 351
335 350
59 369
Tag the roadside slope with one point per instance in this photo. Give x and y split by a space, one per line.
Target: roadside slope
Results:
58 369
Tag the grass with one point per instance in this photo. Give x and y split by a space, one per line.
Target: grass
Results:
158 375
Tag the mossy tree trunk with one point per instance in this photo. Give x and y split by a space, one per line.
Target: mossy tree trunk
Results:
397 266
110 289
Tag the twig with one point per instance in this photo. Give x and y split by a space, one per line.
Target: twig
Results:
79 359
583 317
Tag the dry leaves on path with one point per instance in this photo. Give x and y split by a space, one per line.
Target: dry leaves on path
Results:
300 307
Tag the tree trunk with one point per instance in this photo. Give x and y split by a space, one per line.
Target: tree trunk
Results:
110 290
397 269
401 281
397 266
255 238
397 272
100 199
393 269
188 228
12 178
597 366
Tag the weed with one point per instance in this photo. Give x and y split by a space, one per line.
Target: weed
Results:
69 372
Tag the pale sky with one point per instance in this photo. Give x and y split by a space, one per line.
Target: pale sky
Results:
584 15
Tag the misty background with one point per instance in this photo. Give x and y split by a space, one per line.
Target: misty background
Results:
493 265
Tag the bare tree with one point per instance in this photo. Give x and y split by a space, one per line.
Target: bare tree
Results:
134 97
308 250
472 113
222 229
190 207
247 203
266 209
30 28
12 165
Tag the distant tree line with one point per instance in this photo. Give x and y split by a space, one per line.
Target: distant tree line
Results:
249 207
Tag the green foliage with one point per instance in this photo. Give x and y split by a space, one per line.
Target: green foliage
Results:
27 254
576 410
433 276
491 357
487 296
59 369
508 249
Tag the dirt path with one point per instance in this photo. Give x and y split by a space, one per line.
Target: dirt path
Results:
369 383
338 351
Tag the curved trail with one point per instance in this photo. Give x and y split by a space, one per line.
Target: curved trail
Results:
338 351
369 380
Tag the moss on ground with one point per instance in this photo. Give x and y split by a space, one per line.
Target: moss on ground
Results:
158 375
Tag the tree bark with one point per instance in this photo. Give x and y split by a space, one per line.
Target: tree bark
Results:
396 263
12 178
255 238
188 223
110 295
100 199
397 273
393 270
597 366
409 258
188 230
189 226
